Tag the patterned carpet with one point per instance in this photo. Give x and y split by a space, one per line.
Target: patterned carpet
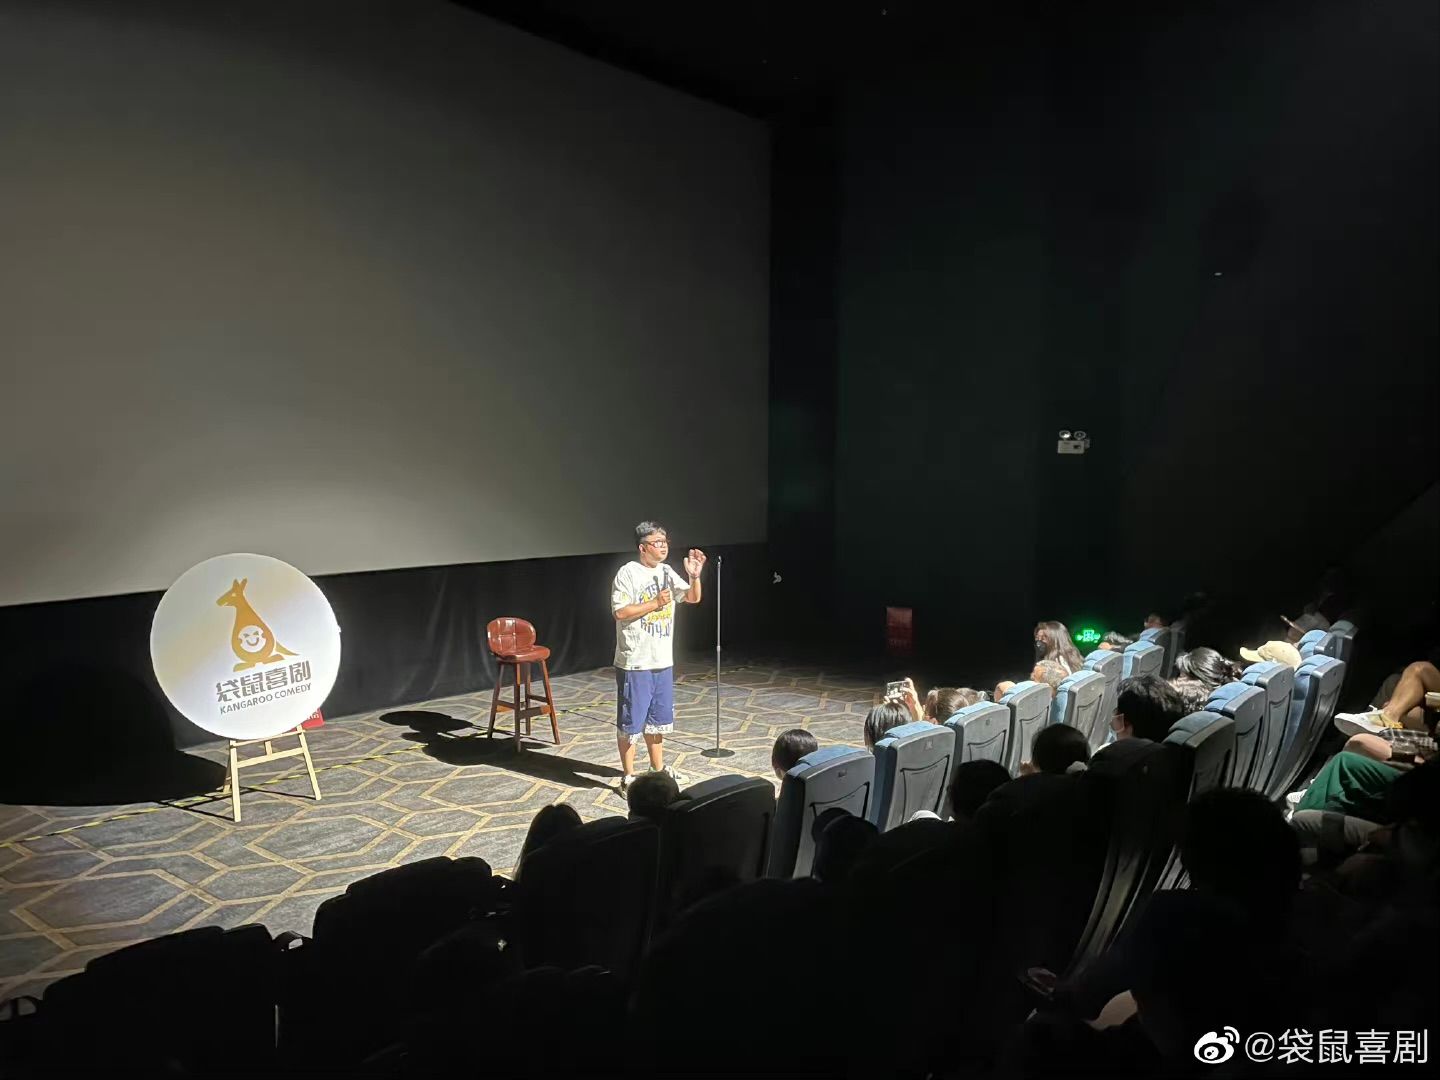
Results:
400 785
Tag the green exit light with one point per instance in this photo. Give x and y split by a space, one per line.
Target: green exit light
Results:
1088 635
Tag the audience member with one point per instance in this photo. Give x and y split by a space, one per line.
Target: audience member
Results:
1115 641
1057 749
790 747
1050 672
1180 990
651 793
840 839
1403 708
1236 844
1201 671
1052 642
550 822
1207 666
971 784
1146 708
1154 621
1351 784
881 718
943 702
1279 652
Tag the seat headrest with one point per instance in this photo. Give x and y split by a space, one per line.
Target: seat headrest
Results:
905 732
1080 678
980 708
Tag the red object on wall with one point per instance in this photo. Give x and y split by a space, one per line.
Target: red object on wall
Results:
316 720
899 630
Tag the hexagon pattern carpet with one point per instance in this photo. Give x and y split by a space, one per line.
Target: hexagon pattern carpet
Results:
399 785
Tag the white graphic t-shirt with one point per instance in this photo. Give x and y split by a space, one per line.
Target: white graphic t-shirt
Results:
646 643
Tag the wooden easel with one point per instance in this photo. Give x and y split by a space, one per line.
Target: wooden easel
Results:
232 776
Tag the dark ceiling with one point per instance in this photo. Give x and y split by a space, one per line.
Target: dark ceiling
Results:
754 56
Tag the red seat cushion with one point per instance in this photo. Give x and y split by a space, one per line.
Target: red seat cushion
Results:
523 656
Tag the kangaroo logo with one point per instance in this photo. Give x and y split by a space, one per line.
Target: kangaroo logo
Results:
1213 1048
252 640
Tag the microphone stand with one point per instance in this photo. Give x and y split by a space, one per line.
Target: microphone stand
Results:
717 751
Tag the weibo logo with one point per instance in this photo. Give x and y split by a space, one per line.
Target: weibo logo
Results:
250 638
1213 1048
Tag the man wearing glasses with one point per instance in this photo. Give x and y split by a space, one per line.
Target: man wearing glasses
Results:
643 600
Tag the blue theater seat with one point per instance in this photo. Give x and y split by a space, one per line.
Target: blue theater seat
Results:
912 765
1317 688
1111 664
1029 705
1278 682
1245 706
1164 638
1080 702
982 732
722 826
1143 658
829 777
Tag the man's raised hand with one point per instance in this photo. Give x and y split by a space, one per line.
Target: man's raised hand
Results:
694 563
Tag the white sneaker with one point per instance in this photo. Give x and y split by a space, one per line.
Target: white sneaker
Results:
680 779
1371 722
625 782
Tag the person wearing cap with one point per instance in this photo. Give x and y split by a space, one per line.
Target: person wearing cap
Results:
1275 652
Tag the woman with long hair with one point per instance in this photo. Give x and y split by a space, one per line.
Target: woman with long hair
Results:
1208 666
1052 642
1200 672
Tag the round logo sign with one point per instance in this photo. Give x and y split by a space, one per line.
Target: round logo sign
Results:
245 646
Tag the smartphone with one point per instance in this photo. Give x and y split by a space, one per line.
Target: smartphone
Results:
894 689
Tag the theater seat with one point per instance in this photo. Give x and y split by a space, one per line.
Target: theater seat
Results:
1029 705
832 776
1318 642
982 732
1079 702
1145 796
1179 631
1324 643
149 1009
588 896
1162 637
1110 664
1143 658
720 829
1278 682
912 765
1245 706
1317 688
1207 742
1345 630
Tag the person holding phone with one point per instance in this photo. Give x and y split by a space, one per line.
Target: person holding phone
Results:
643 600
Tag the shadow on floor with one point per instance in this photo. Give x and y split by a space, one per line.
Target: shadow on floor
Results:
436 732
95 738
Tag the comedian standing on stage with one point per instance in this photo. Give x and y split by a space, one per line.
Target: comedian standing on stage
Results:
644 600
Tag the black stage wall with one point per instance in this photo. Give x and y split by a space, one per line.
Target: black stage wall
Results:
82 696
1205 235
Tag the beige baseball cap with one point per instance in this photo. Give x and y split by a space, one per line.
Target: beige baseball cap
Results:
1279 652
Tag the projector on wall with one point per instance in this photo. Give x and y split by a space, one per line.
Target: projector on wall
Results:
1072 442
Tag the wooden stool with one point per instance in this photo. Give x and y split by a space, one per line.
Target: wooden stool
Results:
512 643
232 774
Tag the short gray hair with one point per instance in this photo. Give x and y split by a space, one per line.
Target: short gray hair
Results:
645 528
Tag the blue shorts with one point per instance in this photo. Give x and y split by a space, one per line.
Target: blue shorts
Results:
645 702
